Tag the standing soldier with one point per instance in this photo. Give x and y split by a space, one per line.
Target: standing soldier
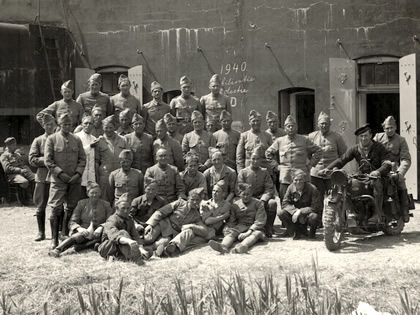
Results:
95 97
66 105
191 177
163 140
125 117
154 110
141 144
172 127
400 158
124 99
199 141
251 139
214 103
332 147
293 152
273 126
107 153
227 139
42 187
65 159
184 105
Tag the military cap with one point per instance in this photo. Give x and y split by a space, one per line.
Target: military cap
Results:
149 181
95 77
124 198
244 186
221 183
155 85
169 118
299 173
10 141
196 191
95 108
64 117
362 129
271 115
216 79
213 151
126 155
68 85
253 114
46 118
323 117
125 113
210 119
225 114
185 80
160 123
290 120
110 120
190 157
92 185
137 117
123 78
195 115
258 151
390 120
86 115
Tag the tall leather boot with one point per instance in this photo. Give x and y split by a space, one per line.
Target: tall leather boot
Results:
40 218
377 216
54 222
65 224
271 217
244 246
403 196
66 244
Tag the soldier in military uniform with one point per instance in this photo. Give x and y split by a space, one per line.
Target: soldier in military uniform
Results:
124 99
214 103
42 187
172 127
65 159
97 129
294 152
301 206
107 153
191 177
169 182
126 179
95 97
246 223
227 139
262 187
211 125
184 105
273 125
172 146
65 105
141 144
125 117
154 110
400 158
249 140
199 141
332 145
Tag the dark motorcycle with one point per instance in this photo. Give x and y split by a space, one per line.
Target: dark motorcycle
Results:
350 203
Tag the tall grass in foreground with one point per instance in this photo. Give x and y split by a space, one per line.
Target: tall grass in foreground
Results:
239 294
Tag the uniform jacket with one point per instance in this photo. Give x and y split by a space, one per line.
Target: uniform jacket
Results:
96 131
141 211
173 216
119 103
308 201
260 180
198 143
142 149
36 158
176 136
210 209
182 109
101 99
57 108
123 132
116 227
247 216
107 153
213 106
398 151
84 214
12 162
248 141
279 133
89 174
130 182
198 181
169 182
64 154
293 154
173 147
227 174
332 146
227 142
152 112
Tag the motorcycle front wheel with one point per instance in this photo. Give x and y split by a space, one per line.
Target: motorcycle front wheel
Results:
333 234
394 227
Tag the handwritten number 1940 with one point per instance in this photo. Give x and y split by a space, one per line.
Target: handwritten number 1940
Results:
227 68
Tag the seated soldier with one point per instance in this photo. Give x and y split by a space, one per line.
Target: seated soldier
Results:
213 214
168 221
120 238
246 223
86 222
301 205
191 177
144 206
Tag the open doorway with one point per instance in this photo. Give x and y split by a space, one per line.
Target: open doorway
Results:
379 106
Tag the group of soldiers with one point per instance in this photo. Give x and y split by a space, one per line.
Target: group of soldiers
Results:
132 180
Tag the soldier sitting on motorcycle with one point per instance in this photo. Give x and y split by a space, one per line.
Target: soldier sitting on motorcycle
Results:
373 160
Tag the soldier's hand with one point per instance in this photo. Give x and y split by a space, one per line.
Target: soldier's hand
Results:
295 216
74 178
244 235
148 229
139 228
64 177
375 174
83 231
186 227
94 143
323 172
97 233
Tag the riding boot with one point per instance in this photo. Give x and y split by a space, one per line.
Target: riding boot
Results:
377 216
65 224
66 244
41 227
54 222
403 196
271 217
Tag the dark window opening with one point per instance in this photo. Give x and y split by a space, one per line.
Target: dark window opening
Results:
378 74
379 106
169 95
110 82
18 127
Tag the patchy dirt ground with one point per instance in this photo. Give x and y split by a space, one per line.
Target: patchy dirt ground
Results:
370 268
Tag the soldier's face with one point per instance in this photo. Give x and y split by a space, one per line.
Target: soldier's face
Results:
218 193
67 93
290 129
94 87
109 130
214 88
124 122
226 123
12 147
87 125
125 87
97 117
272 124
246 195
151 191
198 124
162 157
211 126
390 130
192 167
194 201
255 161
50 127
186 89
217 160
126 164
299 182
365 138
161 132
324 126
66 126
255 124
157 94
138 126
94 193
123 209
171 126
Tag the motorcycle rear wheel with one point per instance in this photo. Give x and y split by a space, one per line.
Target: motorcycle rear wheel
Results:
333 235
391 230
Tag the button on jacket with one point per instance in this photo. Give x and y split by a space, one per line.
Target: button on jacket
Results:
142 148
169 182
248 141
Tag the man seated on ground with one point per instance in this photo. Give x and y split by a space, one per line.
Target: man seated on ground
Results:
120 238
168 221
86 222
246 223
301 206
214 212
